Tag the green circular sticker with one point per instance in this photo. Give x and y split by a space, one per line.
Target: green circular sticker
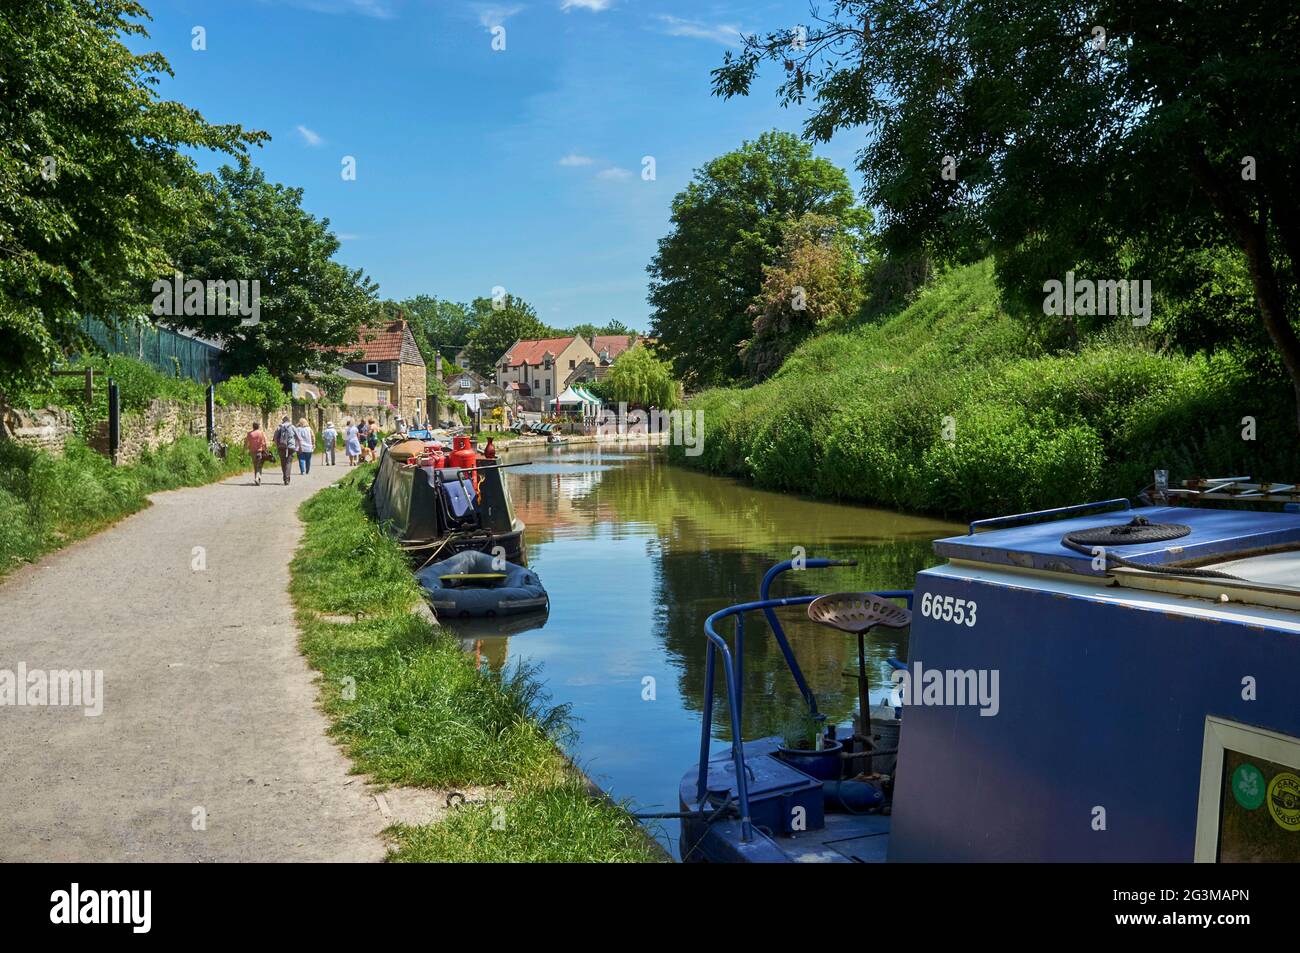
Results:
1248 786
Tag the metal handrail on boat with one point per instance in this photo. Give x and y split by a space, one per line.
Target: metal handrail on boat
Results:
1018 519
732 671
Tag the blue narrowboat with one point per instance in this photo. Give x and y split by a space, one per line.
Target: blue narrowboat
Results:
1104 682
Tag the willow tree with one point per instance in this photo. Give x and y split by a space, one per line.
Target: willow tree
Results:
1109 136
640 379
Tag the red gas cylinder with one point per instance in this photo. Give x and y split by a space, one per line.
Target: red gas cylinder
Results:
462 453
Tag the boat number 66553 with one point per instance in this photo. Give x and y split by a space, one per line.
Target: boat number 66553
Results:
948 609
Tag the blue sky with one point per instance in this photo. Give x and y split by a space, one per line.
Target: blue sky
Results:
476 168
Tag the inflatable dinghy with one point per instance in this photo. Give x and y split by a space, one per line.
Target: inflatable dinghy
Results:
469 585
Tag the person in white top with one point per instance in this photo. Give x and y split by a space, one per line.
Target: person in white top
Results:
306 445
329 442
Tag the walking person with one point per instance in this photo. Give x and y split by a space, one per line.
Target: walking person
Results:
329 442
352 443
306 445
363 434
372 438
286 442
256 444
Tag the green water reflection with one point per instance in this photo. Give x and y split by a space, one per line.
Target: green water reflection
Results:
635 554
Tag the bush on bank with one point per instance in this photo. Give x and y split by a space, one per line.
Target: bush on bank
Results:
863 415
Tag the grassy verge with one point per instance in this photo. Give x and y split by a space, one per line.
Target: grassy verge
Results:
952 407
410 708
47 502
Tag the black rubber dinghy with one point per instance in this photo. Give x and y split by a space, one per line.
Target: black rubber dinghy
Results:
472 584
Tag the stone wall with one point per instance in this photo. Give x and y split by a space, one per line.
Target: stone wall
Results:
45 428
164 422
412 391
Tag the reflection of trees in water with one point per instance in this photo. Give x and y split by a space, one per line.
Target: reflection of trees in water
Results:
718 537
695 583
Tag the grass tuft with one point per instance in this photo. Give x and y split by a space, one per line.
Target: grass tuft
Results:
578 829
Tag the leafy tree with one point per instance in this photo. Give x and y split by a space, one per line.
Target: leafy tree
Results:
640 379
726 225
615 327
311 306
496 329
1114 138
438 324
589 331
93 183
814 283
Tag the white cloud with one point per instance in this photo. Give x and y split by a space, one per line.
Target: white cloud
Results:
347 236
491 17
614 174
312 138
573 159
595 6
723 33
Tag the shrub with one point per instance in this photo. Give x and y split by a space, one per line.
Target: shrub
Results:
261 389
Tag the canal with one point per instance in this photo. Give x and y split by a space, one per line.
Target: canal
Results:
635 553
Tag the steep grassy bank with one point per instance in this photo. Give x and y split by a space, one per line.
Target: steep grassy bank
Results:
47 502
409 707
862 415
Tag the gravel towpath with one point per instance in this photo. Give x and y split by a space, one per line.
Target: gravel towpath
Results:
209 746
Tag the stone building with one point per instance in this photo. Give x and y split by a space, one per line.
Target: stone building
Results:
542 368
390 356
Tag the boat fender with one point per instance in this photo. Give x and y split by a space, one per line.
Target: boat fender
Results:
853 797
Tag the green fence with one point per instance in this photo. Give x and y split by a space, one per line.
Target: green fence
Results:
161 347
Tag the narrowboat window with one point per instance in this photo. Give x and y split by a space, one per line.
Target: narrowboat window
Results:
1249 808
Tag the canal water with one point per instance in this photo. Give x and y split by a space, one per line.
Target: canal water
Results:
635 553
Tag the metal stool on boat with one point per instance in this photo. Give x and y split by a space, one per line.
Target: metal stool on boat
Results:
858 613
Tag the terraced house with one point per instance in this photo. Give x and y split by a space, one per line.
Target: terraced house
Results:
390 356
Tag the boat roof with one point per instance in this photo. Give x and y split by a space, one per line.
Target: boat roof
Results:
1226 536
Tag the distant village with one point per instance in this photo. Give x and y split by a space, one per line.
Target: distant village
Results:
532 379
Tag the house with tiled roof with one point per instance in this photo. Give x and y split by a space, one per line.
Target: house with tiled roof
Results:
541 367
609 346
389 355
